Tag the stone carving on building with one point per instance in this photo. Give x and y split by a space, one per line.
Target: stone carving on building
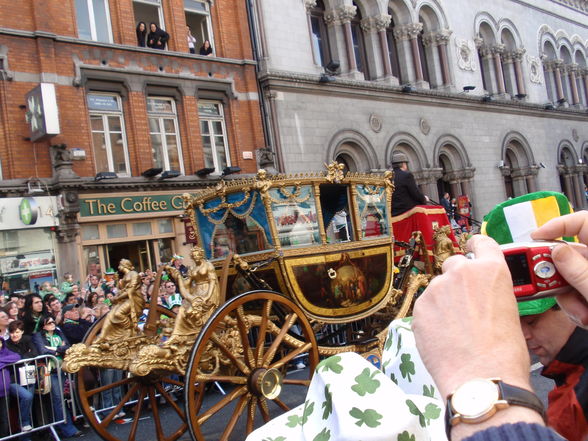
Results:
535 71
407 31
375 123
309 4
340 15
424 126
575 135
579 5
465 54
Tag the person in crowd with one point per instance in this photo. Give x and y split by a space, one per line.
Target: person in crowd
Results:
141 34
19 342
55 310
4 322
47 300
178 263
11 308
169 290
71 299
52 341
76 322
146 285
562 348
46 288
191 40
462 318
18 299
32 313
157 37
206 49
67 284
22 395
406 193
75 290
91 299
446 203
93 283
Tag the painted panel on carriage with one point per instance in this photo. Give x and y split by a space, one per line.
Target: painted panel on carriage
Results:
343 283
373 211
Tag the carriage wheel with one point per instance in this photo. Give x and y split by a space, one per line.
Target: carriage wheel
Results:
248 350
149 406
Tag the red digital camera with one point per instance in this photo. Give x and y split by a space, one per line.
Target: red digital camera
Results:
533 273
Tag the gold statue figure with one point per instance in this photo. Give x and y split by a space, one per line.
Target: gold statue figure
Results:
443 245
201 293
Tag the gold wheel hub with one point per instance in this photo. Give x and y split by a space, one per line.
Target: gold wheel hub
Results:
267 383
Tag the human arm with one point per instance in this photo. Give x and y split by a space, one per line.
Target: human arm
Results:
571 262
413 190
460 324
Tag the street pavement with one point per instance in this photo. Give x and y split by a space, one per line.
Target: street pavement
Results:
292 396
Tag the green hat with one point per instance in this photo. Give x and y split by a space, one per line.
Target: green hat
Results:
539 306
174 300
110 271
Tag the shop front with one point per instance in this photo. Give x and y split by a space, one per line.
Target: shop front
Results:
27 243
147 229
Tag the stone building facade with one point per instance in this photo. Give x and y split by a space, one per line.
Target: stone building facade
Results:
487 99
127 115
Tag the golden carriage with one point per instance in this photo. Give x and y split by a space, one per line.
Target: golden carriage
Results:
323 240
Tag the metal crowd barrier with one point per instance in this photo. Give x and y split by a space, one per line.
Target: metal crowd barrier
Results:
31 378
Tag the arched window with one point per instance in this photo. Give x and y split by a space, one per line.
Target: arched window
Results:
581 77
567 76
393 49
489 53
359 44
511 65
518 173
551 71
423 57
570 177
319 35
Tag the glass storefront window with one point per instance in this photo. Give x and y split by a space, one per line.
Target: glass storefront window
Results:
165 250
165 226
92 260
142 229
27 259
90 232
116 231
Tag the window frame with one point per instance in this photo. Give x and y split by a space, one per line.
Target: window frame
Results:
105 114
210 120
208 20
317 13
158 4
92 20
161 117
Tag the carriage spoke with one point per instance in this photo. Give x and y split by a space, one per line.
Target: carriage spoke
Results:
106 421
170 380
282 405
138 407
251 414
262 332
106 387
294 382
289 322
155 410
244 337
222 403
264 410
170 401
282 361
234 417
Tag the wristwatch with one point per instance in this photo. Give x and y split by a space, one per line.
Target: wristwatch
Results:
477 400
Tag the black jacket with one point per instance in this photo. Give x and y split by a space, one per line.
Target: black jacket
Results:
41 344
75 332
157 39
25 347
406 193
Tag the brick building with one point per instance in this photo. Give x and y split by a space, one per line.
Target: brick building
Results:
127 115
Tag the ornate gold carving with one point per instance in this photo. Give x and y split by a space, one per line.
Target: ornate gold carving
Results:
443 245
335 172
200 291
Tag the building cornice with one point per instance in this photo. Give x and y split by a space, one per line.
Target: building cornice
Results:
379 91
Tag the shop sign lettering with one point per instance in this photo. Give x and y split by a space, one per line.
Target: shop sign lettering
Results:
91 207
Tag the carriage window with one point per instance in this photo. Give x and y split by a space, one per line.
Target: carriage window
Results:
336 213
294 212
371 202
236 222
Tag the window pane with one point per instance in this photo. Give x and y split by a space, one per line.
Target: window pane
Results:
165 226
194 5
103 102
96 123
217 127
118 153
92 257
100 154
208 109
165 249
207 150
142 229
204 129
83 19
116 231
156 148
221 155
317 40
157 105
172 152
154 125
90 232
295 215
169 125
101 21
114 124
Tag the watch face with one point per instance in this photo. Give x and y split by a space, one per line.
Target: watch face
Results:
475 398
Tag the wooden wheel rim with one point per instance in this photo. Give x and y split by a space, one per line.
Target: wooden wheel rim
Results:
248 399
144 387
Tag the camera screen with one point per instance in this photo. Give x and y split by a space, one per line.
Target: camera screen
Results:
519 269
